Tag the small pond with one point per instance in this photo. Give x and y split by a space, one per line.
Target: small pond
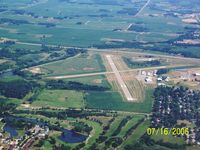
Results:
11 130
70 136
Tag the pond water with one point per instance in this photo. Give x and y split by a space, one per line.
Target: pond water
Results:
70 136
11 130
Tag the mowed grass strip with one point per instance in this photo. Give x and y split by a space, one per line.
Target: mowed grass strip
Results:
129 124
60 98
114 126
94 134
137 133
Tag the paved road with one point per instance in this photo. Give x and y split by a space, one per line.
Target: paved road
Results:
119 79
145 5
117 50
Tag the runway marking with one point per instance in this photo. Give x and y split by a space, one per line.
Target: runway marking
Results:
119 79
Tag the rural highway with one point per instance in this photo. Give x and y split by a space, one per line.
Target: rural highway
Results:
119 79
145 5
117 50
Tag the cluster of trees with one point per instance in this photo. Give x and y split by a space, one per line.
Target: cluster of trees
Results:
19 56
121 125
162 71
6 107
47 24
61 147
18 124
63 114
129 11
71 85
13 21
130 131
175 103
166 47
82 128
6 65
18 88
114 142
11 53
132 64
137 28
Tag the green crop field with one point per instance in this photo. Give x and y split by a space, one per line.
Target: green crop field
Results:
114 101
94 24
41 40
59 98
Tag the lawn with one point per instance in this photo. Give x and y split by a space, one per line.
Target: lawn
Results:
59 98
114 125
169 138
94 134
137 133
113 101
130 124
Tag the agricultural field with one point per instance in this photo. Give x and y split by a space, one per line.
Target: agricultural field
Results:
90 74
116 22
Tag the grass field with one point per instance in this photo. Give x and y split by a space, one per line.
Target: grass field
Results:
60 98
76 65
95 133
169 138
93 80
129 124
114 101
137 133
113 126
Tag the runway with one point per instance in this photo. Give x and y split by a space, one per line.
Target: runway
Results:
119 79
